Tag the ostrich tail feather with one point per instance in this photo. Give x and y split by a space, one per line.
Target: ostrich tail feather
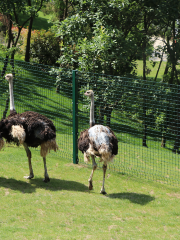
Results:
106 156
2 143
47 146
86 158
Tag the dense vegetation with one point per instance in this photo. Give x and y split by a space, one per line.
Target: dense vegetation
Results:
100 36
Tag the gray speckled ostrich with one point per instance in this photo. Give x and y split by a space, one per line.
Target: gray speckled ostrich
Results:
97 141
30 129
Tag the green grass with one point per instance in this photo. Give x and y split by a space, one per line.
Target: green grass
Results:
153 69
40 22
65 208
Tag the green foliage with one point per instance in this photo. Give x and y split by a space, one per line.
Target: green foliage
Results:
45 48
108 36
92 41
58 9
98 54
49 9
8 6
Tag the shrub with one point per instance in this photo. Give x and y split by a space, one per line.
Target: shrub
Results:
3 23
45 47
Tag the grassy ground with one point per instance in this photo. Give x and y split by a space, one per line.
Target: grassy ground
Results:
65 208
153 69
40 22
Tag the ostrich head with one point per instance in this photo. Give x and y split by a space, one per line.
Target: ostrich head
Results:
89 93
9 77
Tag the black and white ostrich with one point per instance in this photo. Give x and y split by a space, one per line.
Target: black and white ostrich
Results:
97 141
30 129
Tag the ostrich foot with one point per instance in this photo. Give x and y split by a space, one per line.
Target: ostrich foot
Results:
103 192
29 177
90 185
46 179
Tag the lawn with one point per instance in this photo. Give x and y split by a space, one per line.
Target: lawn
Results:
39 22
64 208
153 71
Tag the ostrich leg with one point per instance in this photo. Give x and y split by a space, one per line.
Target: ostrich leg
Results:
104 173
46 176
94 166
31 174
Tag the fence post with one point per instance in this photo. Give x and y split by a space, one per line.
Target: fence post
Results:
75 116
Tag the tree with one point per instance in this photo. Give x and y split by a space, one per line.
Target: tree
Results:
169 25
94 39
12 9
32 10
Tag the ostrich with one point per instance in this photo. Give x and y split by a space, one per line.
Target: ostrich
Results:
97 141
30 129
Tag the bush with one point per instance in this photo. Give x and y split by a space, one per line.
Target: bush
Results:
45 47
3 23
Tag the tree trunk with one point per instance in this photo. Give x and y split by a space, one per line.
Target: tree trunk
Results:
101 114
6 108
163 140
27 54
177 140
66 9
159 64
144 144
108 115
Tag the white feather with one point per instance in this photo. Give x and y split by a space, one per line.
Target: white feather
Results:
99 134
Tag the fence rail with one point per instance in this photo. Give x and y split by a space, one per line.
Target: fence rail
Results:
144 115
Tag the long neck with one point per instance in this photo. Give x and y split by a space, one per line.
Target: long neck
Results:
92 121
12 107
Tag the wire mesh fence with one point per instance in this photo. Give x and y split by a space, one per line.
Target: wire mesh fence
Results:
144 115
35 90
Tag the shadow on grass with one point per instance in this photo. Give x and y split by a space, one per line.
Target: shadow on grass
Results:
33 184
141 199
38 23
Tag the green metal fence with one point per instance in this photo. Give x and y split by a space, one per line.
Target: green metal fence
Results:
35 90
144 115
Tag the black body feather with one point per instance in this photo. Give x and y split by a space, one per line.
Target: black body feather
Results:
38 128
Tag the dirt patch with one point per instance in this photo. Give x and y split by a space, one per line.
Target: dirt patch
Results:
75 165
176 195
